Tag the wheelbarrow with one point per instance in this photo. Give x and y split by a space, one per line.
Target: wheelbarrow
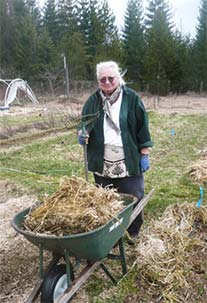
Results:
58 282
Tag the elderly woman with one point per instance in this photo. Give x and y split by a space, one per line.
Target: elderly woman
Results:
118 140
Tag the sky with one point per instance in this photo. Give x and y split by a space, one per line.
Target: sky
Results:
185 13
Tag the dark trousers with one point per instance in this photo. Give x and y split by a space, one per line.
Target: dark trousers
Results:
133 185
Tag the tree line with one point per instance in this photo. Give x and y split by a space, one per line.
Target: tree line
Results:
157 57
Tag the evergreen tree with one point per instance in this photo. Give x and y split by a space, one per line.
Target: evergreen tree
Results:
96 24
35 13
85 32
74 49
95 34
66 17
200 49
110 47
83 18
7 34
83 21
133 40
50 20
26 39
181 68
160 54
46 53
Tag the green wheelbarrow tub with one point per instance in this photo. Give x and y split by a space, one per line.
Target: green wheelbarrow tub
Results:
94 245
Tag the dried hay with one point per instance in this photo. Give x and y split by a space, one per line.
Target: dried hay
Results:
203 154
198 171
166 247
76 207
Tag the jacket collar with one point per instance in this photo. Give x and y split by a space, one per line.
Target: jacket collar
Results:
125 90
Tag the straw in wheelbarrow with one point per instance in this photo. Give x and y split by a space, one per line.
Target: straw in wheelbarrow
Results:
76 207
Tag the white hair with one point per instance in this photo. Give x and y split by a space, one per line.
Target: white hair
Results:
110 64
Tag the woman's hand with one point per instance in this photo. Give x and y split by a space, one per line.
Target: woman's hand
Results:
83 137
144 163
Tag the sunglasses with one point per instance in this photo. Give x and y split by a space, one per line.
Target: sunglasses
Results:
104 80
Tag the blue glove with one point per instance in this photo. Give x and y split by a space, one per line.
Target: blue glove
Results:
144 163
83 137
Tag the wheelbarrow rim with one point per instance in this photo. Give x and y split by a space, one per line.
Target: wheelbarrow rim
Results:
70 236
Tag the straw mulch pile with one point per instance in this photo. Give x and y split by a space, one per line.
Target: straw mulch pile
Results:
171 254
198 171
76 207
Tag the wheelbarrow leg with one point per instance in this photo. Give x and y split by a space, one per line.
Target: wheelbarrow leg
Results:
122 255
69 269
107 272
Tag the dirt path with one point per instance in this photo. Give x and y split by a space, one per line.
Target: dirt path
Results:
17 257
186 104
177 104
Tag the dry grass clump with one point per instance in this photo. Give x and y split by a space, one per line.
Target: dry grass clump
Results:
203 154
76 207
198 171
166 248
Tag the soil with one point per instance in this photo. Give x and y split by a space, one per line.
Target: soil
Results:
184 104
19 259
18 262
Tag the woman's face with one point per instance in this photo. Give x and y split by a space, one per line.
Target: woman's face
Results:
108 80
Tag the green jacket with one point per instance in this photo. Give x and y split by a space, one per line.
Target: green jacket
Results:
135 133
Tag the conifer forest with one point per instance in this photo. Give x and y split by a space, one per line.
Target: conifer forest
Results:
156 56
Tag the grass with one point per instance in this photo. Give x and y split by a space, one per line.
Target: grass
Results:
19 119
39 165
34 125
172 156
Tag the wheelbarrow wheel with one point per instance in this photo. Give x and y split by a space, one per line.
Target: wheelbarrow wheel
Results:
55 284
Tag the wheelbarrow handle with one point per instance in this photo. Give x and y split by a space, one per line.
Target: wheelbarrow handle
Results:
140 206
